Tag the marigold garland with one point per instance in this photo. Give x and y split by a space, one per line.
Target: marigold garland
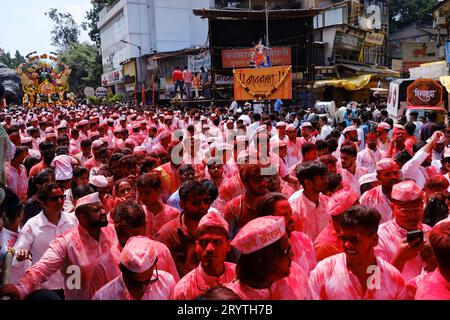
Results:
268 93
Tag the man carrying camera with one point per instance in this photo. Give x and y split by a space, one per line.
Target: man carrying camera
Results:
401 239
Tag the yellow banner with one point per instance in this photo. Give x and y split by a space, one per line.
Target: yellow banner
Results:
263 83
350 84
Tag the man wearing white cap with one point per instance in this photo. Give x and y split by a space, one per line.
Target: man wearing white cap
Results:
264 243
140 278
129 220
379 198
306 131
383 129
212 246
281 132
369 157
74 253
393 246
357 273
63 165
327 242
41 230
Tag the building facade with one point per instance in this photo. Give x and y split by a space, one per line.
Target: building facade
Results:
131 30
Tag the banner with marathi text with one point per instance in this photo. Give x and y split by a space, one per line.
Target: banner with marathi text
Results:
263 83
241 58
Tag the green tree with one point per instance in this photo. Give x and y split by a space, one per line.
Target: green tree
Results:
406 12
12 62
82 58
92 17
65 30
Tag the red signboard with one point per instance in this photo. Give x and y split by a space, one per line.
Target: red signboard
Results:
240 58
424 92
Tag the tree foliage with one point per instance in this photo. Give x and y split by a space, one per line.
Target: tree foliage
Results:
12 62
406 12
65 30
86 66
92 17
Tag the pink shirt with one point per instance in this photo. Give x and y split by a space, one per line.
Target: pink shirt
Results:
433 287
353 179
390 236
73 252
303 251
107 266
17 181
368 159
331 280
154 222
294 152
311 219
376 199
116 289
197 282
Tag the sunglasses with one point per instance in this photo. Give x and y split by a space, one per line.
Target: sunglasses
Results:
56 198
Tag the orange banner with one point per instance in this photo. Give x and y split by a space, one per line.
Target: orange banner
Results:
263 83
240 58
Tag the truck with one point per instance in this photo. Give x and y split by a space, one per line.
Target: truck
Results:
423 95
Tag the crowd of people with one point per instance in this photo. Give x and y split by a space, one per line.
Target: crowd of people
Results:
121 203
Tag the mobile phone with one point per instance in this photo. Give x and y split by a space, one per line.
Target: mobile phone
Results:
412 235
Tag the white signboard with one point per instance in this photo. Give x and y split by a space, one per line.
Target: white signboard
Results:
89 92
101 92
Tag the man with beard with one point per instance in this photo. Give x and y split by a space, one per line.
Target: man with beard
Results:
393 246
358 273
212 245
350 172
242 209
47 150
74 253
379 197
310 204
179 234
419 168
369 157
129 221
41 230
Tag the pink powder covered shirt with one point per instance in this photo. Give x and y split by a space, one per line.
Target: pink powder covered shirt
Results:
433 287
292 287
331 280
107 266
73 253
17 181
197 282
376 199
353 179
116 289
303 251
311 219
327 243
390 236
154 222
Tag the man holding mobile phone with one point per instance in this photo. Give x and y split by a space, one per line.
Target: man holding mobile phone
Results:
393 243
